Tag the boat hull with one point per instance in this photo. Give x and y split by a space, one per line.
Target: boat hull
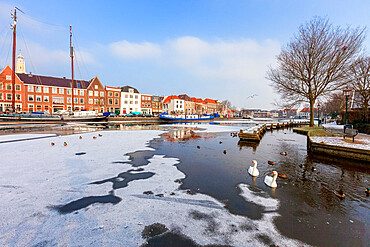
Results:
185 118
52 119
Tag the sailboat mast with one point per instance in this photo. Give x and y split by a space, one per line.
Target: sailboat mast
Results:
71 54
14 46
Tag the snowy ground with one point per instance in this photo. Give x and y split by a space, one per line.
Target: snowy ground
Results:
340 141
37 178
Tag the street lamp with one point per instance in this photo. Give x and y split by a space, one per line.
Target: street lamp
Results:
318 114
347 91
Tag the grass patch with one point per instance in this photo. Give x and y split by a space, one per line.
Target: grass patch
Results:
316 131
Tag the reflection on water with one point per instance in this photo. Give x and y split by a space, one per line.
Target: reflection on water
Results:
310 211
248 144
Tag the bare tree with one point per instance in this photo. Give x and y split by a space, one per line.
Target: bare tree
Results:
227 103
334 105
359 75
314 62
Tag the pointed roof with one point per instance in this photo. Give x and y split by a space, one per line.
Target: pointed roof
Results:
185 97
198 100
210 101
51 81
127 87
169 98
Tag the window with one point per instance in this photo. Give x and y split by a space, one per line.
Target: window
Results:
75 100
96 101
110 94
116 101
17 97
8 77
131 90
82 93
55 90
96 86
38 89
101 94
101 102
8 86
30 107
46 98
136 97
61 90
126 95
1 96
38 107
136 102
75 91
38 98
131 96
81 100
90 101
58 100
116 94
46 90
30 97
69 100
69 91
142 97
110 101
96 93
1 86
126 102
8 96
18 87
91 93
131 102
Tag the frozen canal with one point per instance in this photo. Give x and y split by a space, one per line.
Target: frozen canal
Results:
170 188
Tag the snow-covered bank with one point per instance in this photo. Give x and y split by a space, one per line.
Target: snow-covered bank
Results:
37 178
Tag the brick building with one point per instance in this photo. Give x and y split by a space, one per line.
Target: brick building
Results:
113 99
6 91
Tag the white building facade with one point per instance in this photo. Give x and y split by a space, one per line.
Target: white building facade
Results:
174 105
130 100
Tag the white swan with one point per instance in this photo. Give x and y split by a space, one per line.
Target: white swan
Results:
271 181
253 169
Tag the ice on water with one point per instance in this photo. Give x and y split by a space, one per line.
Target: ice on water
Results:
35 177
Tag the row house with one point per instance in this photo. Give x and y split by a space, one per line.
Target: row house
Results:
189 104
51 94
305 112
200 106
146 104
130 100
221 108
211 106
113 99
157 105
96 96
6 91
173 105
288 113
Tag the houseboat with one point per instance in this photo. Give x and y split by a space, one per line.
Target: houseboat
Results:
185 118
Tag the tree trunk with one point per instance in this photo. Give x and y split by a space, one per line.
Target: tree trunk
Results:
312 103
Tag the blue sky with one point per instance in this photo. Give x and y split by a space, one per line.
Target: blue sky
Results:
214 49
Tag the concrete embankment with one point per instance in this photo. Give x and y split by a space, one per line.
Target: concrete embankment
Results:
337 150
256 133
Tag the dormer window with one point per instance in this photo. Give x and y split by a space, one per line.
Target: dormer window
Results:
131 90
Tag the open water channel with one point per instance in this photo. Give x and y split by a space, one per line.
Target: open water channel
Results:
216 164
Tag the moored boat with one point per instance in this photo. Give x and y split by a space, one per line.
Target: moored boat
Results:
185 118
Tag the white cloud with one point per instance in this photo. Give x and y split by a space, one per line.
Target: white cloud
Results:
126 50
221 69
